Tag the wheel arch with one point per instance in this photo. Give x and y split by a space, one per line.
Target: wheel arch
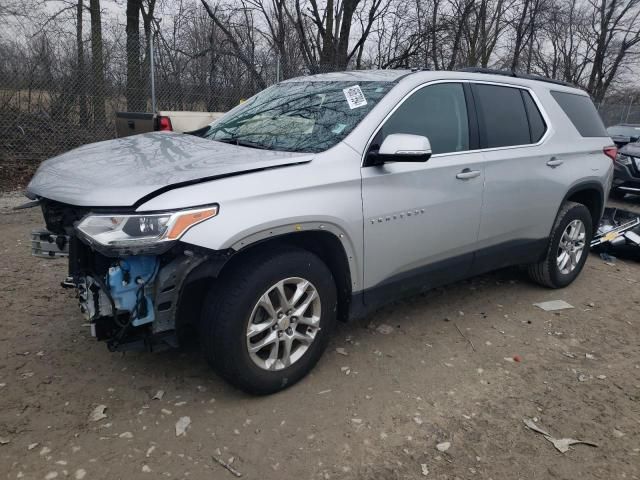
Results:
330 245
591 195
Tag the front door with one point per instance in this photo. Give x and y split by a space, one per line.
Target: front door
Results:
421 220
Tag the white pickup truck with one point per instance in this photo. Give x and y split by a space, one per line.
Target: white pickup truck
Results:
132 123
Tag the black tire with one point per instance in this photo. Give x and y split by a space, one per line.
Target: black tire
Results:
546 272
229 305
617 194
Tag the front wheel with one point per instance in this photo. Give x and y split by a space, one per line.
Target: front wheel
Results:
568 247
268 326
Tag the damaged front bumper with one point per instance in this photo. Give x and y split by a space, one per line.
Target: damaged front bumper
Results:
132 301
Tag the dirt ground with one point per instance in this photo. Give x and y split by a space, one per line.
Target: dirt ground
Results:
376 413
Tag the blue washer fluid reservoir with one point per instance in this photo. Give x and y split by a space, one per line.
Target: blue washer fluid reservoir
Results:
127 278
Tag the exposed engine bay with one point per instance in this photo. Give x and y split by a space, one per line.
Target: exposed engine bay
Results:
131 301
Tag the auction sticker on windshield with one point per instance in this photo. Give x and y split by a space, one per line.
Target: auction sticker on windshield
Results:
355 97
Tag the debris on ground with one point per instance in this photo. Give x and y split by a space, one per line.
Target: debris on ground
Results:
384 329
619 233
553 305
608 259
98 413
443 447
561 444
227 466
463 336
341 351
181 426
424 469
4 440
158 396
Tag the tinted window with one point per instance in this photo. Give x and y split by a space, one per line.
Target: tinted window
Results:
502 116
438 112
582 113
537 127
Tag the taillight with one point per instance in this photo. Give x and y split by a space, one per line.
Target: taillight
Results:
164 124
611 152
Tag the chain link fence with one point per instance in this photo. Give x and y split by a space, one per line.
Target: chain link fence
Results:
616 113
54 98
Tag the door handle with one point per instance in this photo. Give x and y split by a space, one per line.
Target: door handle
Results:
466 174
554 162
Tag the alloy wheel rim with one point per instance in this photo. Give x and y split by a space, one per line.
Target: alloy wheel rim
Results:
571 247
283 324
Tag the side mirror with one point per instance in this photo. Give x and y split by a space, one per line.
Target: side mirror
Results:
402 147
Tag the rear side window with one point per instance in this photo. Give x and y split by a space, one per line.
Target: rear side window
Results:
537 127
582 113
438 112
502 116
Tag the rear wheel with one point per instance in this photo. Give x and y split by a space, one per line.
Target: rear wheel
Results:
568 248
268 326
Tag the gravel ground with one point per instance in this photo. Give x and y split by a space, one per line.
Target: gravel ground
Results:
445 373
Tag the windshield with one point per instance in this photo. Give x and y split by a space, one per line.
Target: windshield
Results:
632 131
298 116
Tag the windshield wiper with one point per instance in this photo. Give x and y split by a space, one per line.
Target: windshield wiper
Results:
244 143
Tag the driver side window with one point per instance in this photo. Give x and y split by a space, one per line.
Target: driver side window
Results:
438 112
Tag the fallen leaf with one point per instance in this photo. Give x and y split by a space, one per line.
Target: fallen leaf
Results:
443 447
181 426
98 413
561 444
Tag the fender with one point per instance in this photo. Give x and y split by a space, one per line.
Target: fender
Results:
307 226
583 186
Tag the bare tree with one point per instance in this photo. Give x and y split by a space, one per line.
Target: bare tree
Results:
97 63
135 87
617 30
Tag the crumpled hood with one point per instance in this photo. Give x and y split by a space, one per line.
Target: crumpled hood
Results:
120 172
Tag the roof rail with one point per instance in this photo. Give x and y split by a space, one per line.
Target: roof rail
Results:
511 73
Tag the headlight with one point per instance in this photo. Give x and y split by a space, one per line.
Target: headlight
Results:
141 232
623 159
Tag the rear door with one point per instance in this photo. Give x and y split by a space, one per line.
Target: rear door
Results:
520 192
421 219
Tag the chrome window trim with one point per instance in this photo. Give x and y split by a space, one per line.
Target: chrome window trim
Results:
536 100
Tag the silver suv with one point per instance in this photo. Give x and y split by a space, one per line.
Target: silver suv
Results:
320 199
